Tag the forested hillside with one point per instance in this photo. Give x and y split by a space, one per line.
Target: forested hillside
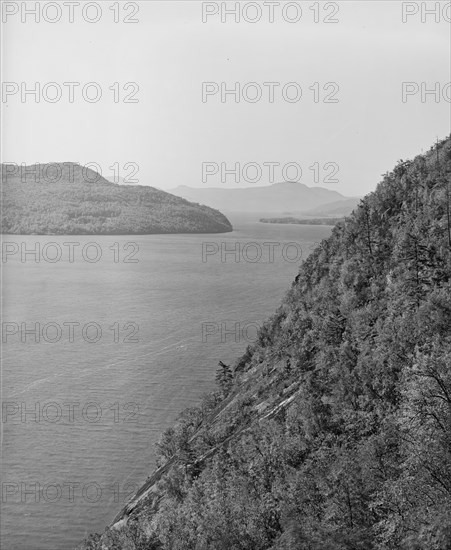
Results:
66 198
333 432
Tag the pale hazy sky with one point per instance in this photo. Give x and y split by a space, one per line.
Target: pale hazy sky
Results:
170 132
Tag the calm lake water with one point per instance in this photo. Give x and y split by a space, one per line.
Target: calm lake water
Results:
81 414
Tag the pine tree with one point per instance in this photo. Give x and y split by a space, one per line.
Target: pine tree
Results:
224 378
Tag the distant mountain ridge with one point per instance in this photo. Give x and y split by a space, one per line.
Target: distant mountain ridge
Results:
66 198
278 197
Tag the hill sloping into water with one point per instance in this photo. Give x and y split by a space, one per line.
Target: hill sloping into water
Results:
333 431
66 198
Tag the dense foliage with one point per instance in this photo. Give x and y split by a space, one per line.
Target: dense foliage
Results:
335 432
63 199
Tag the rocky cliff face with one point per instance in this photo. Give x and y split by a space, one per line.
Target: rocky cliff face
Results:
335 431
66 198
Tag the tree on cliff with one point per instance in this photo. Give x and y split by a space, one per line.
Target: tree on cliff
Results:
224 378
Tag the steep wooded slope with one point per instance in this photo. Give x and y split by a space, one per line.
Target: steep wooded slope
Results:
334 432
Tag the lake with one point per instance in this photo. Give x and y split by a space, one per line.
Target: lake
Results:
128 336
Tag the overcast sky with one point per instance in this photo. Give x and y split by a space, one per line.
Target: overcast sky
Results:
170 52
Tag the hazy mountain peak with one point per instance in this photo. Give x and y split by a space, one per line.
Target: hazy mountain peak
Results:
277 197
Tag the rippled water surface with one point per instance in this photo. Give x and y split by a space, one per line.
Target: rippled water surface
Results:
102 404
